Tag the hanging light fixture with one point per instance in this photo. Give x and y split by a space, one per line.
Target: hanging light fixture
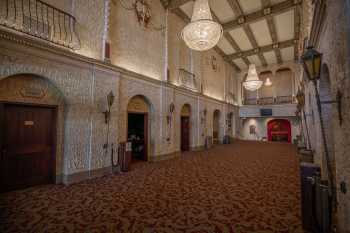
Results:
252 83
202 33
268 82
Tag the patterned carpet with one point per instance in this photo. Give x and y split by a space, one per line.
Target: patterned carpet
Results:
245 187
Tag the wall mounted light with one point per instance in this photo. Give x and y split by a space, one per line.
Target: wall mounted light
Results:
312 61
107 112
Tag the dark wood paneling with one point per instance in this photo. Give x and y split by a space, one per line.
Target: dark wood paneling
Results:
28 146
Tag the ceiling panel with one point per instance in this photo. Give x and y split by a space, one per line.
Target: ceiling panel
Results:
241 39
255 60
249 6
225 46
240 63
285 25
270 57
188 8
273 2
287 54
261 32
222 10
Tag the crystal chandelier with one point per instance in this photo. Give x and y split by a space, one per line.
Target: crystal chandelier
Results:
268 82
252 83
202 33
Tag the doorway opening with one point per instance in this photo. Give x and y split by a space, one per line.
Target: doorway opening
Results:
28 146
185 127
216 126
138 130
279 130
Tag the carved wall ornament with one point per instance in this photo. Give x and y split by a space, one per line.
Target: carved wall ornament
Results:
33 92
143 12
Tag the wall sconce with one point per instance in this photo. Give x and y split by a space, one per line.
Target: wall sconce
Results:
203 118
171 111
107 112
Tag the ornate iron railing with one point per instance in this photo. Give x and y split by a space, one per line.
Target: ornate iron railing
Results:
284 99
41 20
269 100
266 100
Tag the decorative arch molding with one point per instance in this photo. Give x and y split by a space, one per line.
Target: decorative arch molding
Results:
279 129
35 90
140 103
217 129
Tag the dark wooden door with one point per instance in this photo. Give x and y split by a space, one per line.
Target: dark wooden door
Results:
185 133
27 147
145 137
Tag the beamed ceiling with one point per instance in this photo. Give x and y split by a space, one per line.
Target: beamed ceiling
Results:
262 32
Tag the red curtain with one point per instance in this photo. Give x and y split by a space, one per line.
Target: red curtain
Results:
279 130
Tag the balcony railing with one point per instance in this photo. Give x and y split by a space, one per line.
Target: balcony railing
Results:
41 20
269 100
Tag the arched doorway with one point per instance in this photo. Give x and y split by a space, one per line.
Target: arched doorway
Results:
31 120
216 126
185 127
230 125
138 127
279 130
327 115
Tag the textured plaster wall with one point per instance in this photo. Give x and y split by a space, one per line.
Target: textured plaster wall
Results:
132 46
335 48
82 86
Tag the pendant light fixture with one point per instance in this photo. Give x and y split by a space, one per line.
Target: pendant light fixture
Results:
252 83
202 33
268 82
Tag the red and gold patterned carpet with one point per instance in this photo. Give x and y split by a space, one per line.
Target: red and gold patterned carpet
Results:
244 187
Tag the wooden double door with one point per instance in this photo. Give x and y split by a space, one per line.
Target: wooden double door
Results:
185 133
27 146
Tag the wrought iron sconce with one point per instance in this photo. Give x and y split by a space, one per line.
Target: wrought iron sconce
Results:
171 111
110 101
203 118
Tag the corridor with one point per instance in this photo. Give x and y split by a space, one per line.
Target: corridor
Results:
243 187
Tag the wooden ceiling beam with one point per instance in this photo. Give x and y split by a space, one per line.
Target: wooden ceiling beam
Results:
260 14
297 21
263 49
235 7
173 4
273 33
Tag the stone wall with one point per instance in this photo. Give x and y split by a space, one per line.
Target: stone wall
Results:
84 85
333 43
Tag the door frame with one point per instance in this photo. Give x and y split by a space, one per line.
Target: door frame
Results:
189 132
146 131
54 130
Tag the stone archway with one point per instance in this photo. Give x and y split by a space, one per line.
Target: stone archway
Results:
279 130
34 100
139 110
216 126
327 113
185 127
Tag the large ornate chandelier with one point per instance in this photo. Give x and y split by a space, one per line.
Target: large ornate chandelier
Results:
252 83
202 33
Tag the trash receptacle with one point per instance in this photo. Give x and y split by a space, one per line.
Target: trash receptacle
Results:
124 155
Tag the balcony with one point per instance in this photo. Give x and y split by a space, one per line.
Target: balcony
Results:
269 100
40 20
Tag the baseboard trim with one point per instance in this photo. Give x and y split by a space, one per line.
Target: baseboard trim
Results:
85 175
165 157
